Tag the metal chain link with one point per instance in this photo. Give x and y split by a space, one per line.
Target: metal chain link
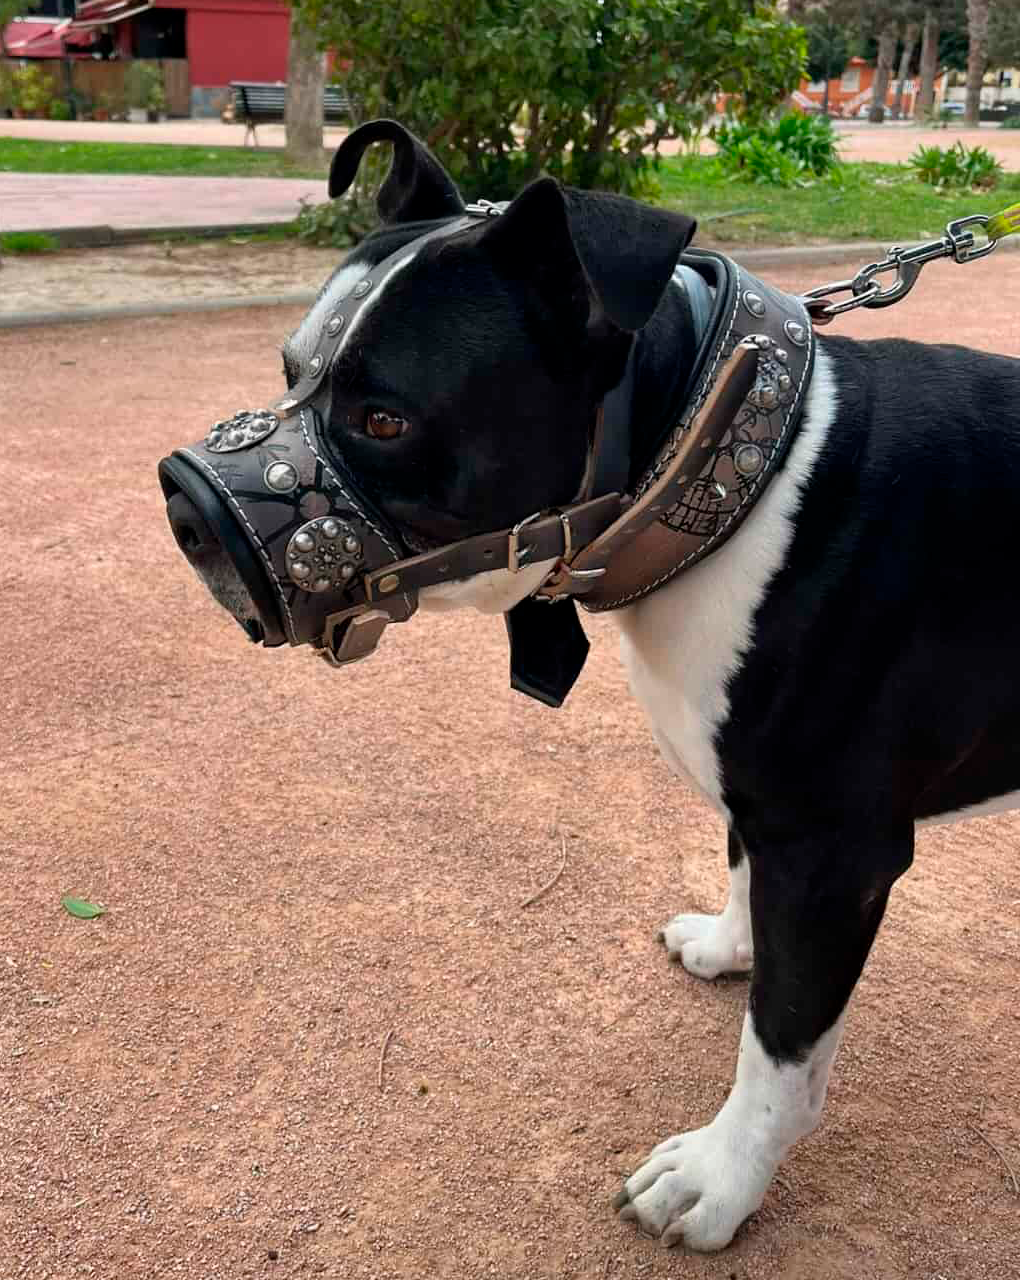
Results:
958 243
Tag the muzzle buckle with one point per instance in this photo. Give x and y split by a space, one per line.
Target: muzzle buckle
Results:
352 634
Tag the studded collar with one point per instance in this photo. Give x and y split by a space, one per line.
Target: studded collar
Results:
751 375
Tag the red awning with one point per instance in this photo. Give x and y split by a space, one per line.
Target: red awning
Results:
97 13
34 38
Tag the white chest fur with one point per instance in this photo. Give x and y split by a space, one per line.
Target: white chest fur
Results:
682 645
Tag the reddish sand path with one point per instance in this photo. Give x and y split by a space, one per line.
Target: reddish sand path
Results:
299 862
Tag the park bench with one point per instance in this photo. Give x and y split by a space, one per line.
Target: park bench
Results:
258 103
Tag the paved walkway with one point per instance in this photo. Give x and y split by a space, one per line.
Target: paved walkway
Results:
201 133
38 201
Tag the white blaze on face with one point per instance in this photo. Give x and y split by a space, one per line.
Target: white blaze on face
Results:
305 338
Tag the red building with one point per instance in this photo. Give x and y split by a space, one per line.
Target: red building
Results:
220 40
851 93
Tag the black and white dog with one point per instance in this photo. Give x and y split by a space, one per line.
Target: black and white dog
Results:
840 669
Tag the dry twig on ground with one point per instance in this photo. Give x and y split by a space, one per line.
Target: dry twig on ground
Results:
382 1054
989 1143
546 887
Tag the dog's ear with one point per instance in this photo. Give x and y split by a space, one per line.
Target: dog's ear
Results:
626 251
417 186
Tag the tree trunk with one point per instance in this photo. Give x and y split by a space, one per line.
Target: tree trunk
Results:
977 58
909 44
795 11
924 103
887 39
306 78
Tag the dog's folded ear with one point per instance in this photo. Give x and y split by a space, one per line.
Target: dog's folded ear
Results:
626 251
417 186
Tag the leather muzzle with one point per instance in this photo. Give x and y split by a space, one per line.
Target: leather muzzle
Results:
296 527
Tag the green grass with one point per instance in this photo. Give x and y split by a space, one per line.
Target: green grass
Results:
27 155
27 242
866 202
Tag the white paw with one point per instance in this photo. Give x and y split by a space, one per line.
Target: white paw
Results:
697 1187
709 945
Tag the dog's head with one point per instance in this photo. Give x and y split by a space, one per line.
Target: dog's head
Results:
457 398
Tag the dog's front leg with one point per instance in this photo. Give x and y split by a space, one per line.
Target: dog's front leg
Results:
815 908
710 945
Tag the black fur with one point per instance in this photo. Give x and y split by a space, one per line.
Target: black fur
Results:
878 688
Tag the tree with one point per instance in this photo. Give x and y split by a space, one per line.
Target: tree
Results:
505 89
888 38
924 103
1004 35
977 58
828 46
907 56
302 117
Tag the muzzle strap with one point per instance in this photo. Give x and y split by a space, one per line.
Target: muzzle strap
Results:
541 537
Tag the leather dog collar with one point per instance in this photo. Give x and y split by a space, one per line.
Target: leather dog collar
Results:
730 440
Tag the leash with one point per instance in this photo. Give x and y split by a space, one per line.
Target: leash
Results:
958 243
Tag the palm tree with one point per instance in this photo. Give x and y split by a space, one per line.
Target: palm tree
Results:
909 44
925 100
888 38
977 58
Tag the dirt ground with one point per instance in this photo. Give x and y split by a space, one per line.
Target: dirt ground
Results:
73 279
316 1033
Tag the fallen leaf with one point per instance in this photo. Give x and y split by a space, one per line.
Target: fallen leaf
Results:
82 909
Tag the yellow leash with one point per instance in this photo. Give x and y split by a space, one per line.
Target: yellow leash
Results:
1006 223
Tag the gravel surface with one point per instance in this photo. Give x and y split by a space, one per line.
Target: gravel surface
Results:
74 279
302 867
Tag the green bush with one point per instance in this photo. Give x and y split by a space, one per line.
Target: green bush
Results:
143 86
337 223
31 90
956 166
59 110
1011 122
583 90
793 149
6 90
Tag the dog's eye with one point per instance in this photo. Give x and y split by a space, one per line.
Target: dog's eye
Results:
385 426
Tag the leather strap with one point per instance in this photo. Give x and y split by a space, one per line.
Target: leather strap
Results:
541 537
629 559
345 314
732 437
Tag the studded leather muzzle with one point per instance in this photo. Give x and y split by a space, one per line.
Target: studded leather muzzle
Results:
297 529
266 489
